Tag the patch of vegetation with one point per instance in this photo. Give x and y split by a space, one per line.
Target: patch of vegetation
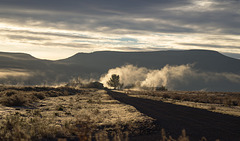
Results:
96 85
15 100
225 98
16 127
40 96
79 83
60 108
84 114
162 88
25 96
10 93
182 137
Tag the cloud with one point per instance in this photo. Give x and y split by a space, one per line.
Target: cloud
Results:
168 16
211 45
51 34
182 77
20 37
149 23
72 45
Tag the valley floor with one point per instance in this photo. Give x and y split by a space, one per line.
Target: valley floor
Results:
48 113
90 112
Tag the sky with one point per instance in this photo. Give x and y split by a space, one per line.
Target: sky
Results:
57 29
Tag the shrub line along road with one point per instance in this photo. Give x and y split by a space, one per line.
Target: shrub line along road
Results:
173 118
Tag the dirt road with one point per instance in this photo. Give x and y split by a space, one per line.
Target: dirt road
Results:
174 118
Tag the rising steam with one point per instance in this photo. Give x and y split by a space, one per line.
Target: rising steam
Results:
182 77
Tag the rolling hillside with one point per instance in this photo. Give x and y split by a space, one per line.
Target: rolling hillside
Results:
93 65
100 62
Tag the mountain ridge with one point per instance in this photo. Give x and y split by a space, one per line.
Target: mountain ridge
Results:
94 65
206 59
20 54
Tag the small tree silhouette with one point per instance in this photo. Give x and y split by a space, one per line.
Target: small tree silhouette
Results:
114 81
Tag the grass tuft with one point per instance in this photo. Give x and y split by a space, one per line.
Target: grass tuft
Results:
15 100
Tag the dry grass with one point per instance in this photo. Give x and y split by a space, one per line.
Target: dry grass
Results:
47 113
222 102
64 113
224 98
182 137
25 96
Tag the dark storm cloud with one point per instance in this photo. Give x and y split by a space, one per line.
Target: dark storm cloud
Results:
170 16
94 6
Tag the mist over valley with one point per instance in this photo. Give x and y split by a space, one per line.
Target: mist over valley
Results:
177 70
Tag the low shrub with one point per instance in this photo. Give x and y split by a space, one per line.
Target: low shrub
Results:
166 96
40 96
224 98
15 100
60 108
15 127
96 85
162 88
23 96
10 93
182 137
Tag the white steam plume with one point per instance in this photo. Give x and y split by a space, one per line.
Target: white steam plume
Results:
182 77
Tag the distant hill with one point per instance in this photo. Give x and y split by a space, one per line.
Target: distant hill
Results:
205 60
21 61
95 64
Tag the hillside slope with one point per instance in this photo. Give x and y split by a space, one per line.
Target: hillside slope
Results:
203 59
93 65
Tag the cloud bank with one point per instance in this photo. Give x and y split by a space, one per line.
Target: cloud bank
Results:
67 27
182 77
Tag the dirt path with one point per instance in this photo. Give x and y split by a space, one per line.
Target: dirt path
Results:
174 118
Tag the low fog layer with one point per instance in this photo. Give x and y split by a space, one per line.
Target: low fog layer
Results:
182 77
211 71
4 73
